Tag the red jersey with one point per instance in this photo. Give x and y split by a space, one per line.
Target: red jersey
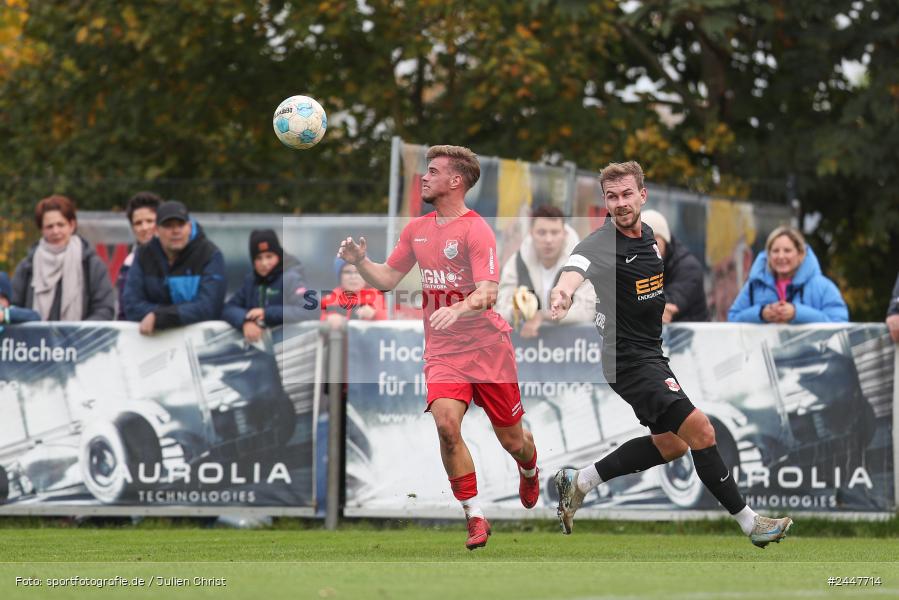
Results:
452 258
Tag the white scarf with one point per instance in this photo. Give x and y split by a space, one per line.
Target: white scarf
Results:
52 264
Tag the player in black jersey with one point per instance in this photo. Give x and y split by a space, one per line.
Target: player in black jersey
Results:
624 264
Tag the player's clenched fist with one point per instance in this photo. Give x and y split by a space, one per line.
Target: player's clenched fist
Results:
559 303
352 252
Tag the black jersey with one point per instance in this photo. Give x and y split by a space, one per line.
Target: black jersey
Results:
628 275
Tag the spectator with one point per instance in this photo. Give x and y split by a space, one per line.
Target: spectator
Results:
536 267
271 293
62 278
351 298
684 291
12 314
178 278
141 211
893 313
786 286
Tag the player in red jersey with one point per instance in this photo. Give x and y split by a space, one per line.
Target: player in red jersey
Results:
468 353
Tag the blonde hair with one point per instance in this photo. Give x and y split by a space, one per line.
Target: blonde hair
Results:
791 232
616 171
793 235
463 161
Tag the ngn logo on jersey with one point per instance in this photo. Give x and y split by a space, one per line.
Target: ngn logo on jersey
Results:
436 279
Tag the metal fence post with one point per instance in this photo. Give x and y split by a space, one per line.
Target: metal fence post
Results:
393 198
336 370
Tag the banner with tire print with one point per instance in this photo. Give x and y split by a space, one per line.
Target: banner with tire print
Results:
803 413
95 416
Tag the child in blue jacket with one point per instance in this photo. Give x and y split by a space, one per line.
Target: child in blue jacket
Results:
273 293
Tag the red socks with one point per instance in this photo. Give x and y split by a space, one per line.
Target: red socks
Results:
531 464
464 487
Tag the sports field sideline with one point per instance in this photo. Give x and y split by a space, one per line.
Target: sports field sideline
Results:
431 562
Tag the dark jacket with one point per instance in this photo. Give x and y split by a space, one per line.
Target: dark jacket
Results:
816 298
683 283
893 308
20 315
99 297
120 283
14 314
280 293
189 291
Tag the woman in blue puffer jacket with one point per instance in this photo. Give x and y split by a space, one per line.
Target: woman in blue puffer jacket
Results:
786 286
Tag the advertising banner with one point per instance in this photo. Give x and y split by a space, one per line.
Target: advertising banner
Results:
98 419
802 413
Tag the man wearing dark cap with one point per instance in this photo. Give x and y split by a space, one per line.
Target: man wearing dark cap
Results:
272 293
178 278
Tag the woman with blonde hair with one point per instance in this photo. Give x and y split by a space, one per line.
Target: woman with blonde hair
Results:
786 285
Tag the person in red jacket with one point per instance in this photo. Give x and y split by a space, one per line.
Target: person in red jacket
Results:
352 298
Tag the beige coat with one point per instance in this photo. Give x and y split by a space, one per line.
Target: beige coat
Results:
584 308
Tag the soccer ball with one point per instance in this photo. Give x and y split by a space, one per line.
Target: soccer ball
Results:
300 122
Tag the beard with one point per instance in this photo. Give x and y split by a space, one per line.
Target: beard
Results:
627 220
428 196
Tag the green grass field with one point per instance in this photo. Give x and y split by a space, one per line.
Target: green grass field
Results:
431 562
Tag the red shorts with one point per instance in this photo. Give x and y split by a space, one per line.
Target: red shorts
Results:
486 375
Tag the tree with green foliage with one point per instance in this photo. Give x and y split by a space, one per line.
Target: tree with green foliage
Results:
134 91
763 106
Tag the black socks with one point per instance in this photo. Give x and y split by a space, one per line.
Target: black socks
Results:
632 456
718 478
640 454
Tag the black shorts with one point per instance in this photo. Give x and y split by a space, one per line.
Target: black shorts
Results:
655 395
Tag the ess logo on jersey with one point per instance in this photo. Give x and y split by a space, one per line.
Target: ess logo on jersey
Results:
650 287
650 284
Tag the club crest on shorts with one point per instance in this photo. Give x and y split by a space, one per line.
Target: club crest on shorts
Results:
672 384
452 249
656 248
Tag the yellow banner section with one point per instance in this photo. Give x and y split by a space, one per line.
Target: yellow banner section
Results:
514 188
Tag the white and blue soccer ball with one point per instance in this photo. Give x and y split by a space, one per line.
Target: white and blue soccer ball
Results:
300 122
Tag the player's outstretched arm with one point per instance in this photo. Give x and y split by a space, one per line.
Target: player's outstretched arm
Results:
560 298
378 275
